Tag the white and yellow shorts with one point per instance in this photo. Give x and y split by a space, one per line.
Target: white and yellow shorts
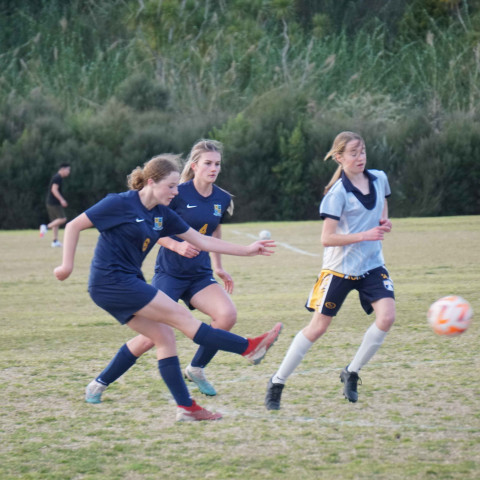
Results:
331 289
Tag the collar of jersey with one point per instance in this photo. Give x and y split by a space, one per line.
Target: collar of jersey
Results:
369 200
349 187
196 193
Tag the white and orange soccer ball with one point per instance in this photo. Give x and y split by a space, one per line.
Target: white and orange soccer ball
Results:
450 315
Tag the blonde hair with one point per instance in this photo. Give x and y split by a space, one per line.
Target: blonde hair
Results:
157 168
200 147
338 148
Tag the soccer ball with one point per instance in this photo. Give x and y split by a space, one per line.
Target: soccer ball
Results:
264 235
450 315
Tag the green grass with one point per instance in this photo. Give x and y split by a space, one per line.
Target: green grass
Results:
417 415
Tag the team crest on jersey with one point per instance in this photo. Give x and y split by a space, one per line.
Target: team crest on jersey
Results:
217 210
158 223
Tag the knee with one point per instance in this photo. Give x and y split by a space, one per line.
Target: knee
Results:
145 345
140 345
162 339
385 321
225 319
316 331
317 327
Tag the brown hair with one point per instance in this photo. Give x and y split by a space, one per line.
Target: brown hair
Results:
156 168
338 148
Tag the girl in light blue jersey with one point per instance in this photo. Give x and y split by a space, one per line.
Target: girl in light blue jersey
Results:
355 214
182 271
130 224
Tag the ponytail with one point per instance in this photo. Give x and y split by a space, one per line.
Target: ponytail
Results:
156 169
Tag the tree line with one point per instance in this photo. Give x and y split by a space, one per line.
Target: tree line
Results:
107 85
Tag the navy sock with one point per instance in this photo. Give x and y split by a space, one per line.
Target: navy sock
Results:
119 364
220 339
203 356
172 376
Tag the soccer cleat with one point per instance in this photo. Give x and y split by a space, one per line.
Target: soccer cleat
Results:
350 379
93 392
258 346
56 243
197 376
43 230
274 395
195 413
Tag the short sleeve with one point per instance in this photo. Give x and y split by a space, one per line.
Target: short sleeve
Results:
175 224
388 192
333 204
225 212
57 179
108 212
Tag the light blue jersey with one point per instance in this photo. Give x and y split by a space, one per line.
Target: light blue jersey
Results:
355 213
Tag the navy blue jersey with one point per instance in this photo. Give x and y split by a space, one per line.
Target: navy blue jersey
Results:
204 214
128 231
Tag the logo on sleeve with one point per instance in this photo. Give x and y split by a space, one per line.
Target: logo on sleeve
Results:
217 210
158 223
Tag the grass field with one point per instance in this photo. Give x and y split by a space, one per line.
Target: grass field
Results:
418 414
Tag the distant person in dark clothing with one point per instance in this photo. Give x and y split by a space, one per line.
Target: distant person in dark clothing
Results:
56 204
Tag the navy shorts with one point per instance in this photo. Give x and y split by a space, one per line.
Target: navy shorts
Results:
182 288
124 298
331 289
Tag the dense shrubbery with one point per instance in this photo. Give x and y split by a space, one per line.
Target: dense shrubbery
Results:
107 85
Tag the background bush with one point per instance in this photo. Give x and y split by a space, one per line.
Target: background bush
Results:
107 85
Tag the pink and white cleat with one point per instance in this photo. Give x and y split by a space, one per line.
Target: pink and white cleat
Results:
258 346
195 413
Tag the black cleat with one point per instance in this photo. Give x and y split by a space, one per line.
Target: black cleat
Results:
350 379
274 395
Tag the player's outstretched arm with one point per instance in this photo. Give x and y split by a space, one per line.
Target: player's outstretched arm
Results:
212 244
70 241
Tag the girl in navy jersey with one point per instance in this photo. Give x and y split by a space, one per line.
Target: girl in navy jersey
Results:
355 214
130 224
182 271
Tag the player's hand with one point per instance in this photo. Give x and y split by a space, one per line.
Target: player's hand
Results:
187 250
62 273
375 233
227 280
64 203
261 247
385 222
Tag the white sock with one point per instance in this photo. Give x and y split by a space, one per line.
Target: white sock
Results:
372 340
297 350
